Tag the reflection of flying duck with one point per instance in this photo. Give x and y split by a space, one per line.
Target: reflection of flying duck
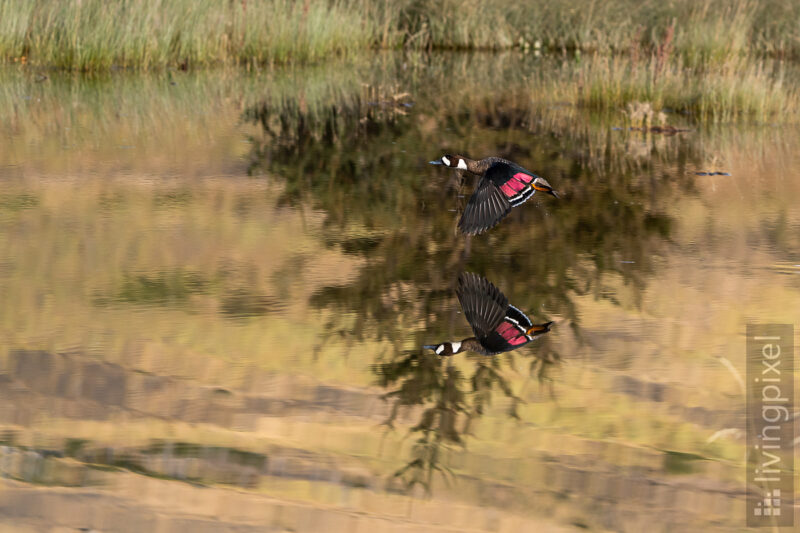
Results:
503 185
499 327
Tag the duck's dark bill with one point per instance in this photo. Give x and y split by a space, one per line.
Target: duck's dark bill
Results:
437 162
429 347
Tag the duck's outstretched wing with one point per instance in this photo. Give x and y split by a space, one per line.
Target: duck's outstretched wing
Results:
512 180
486 207
498 326
483 304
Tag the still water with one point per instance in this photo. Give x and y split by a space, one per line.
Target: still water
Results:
214 288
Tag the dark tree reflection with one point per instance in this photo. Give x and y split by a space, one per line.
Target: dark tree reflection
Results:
426 380
448 401
361 156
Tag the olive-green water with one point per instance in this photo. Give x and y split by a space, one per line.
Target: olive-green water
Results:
214 288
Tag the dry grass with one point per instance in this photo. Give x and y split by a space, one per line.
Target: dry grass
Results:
731 91
96 35
703 58
709 28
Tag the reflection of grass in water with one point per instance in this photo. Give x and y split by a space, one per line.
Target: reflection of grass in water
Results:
613 159
243 303
163 288
72 447
177 198
8 437
237 236
104 113
203 256
112 111
680 462
18 202
314 102
736 90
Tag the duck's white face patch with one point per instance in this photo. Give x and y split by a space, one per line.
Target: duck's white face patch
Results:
456 346
445 161
462 164
439 349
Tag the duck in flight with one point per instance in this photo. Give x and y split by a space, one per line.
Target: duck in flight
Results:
503 185
498 326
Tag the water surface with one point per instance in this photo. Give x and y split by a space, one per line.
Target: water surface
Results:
215 286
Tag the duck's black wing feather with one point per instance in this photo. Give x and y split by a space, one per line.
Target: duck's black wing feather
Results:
515 314
498 325
486 207
483 304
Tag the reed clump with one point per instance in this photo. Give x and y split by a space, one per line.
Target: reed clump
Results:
705 28
725 92
96 35
706 81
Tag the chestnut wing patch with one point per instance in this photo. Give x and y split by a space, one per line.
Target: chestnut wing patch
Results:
513 181
512 333
508 335
516 183
498 325
518 189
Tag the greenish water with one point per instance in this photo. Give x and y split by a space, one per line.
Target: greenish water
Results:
215 287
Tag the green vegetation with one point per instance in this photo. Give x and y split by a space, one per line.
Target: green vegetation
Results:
702 29
93 34
96 35
709 58
739 89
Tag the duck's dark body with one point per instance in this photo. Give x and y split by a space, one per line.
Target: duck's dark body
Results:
503 185
498 326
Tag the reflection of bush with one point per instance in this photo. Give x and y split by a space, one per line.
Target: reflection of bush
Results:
164 288
362 166
449 404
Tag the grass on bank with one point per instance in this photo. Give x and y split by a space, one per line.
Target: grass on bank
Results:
701 58
95 34
705 29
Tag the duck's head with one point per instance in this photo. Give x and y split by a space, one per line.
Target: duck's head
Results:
452 161
445 348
